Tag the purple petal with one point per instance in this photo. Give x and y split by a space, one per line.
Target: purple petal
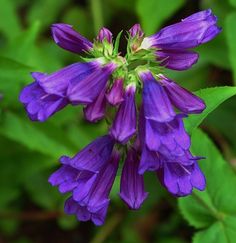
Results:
67 38
96 110
83 214
103 184
88 89
104 34
150 161
39 104
124 125
57 82
65 178
132 184
116 93
156 103
93 156
177 59
181 98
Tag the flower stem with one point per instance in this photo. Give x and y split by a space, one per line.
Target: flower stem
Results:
96 8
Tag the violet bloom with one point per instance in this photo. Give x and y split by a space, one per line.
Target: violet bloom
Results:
132 184
91 201
181 98
124 124
67 38
48 94
173 42
180 179
116 93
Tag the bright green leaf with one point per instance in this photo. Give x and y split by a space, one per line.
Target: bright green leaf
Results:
213 97
26 133
9 22
211 209
230 37
153 13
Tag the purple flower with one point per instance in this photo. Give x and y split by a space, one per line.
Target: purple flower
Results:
105 34
181 98
156 103
93 156
57 82
116 93
69 39
88 89
166 134
136 31
124 125
132 183
90 201
180 179
173 41
177 59
39 104
96 110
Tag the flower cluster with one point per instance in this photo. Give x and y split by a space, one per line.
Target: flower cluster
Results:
147 129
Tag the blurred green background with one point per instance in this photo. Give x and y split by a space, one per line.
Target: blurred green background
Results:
30 209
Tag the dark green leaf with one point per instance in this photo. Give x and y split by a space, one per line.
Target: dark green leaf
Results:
153 13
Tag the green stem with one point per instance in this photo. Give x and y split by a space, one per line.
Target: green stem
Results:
96 8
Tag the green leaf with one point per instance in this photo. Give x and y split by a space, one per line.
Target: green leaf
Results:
9 22
230 37
153 13
45 11
117 42
210 210
21 48
27 134
213 97
233 2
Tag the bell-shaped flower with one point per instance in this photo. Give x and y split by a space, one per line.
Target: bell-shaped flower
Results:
47 94
173 41
93 198
124 124
132 183
180 179
39 104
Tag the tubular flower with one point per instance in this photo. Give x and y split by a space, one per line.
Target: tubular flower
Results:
144 112
173 42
